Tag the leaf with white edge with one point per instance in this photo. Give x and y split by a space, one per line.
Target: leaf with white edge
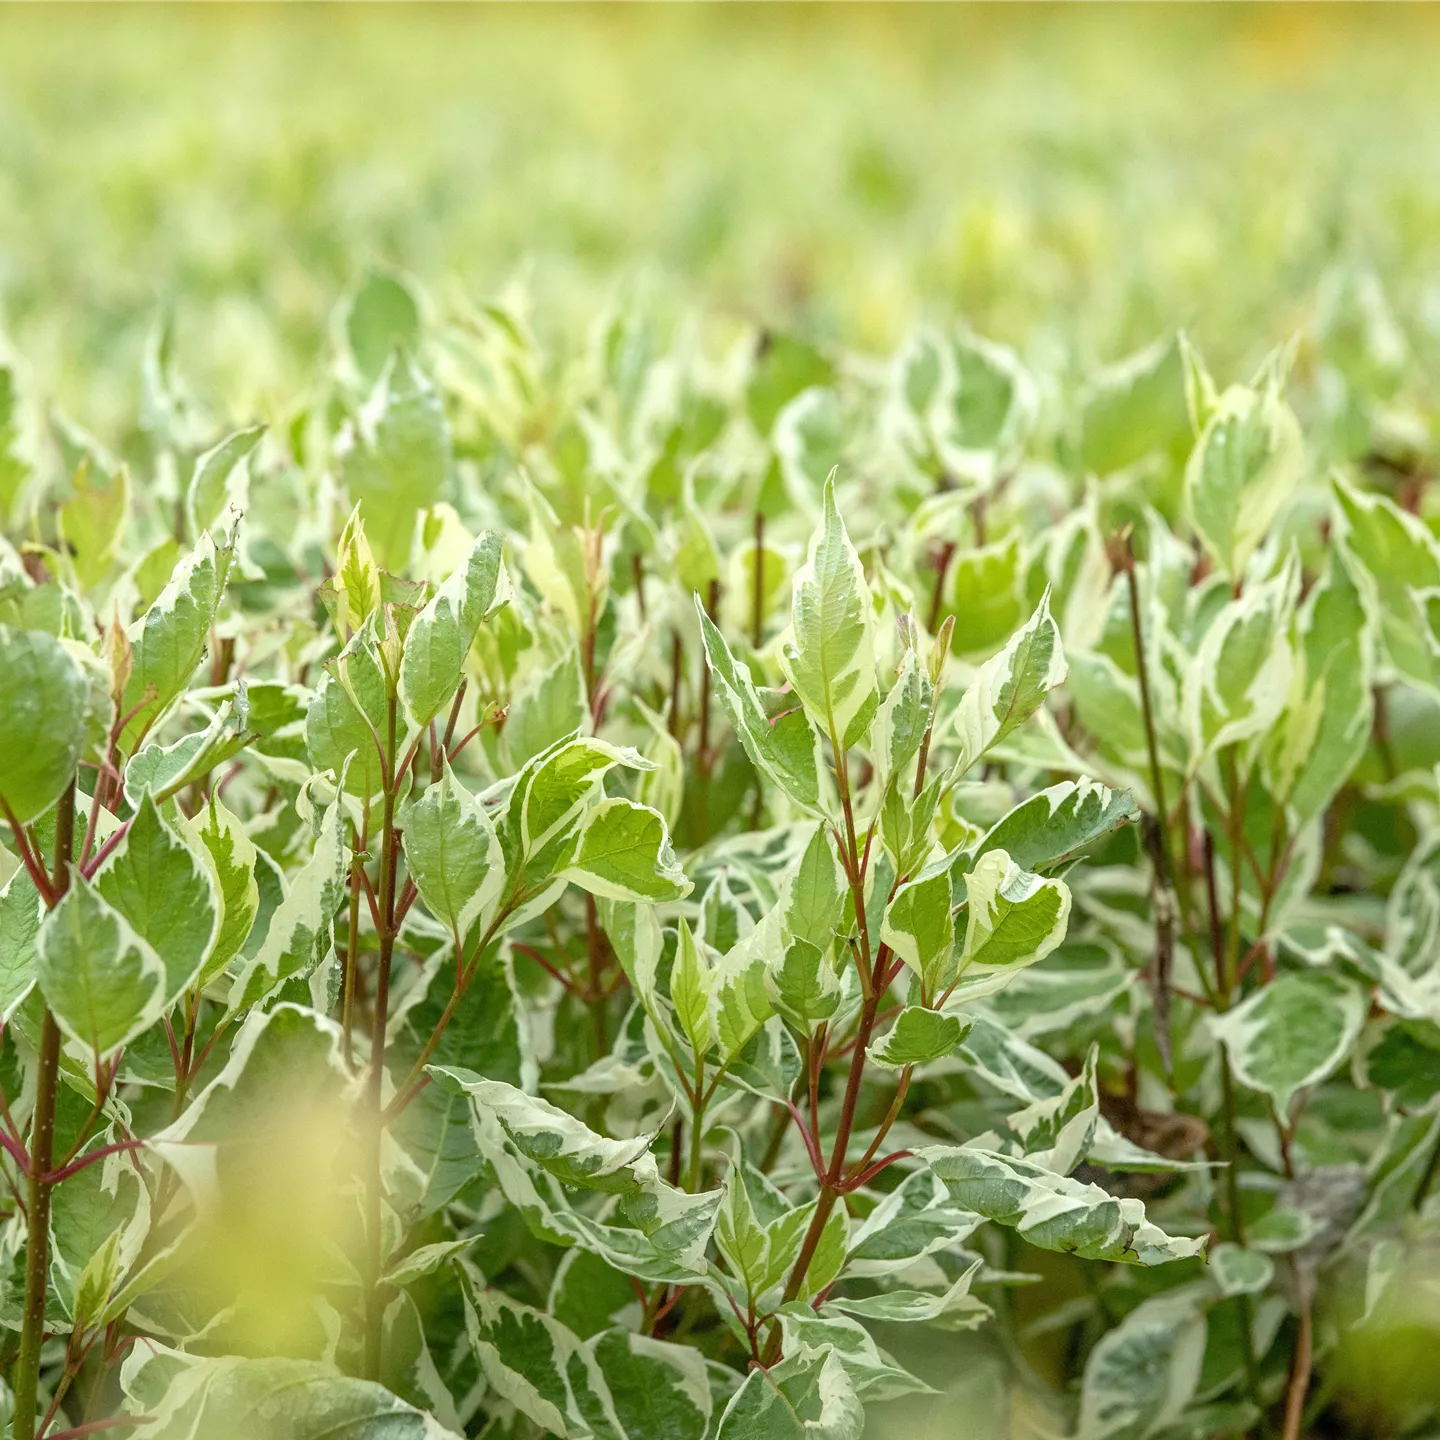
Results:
1010 1064
1142 1374
815 892
1014 918
919 926
1010 686
918 1037
549 707
548 802
742 1001
164 770
554 1139
635 936
806 1396
170 898
1053 1211
874 1374
914 1220
624 853
440 636
453 855
1247 461
21 912
1399 557
44 720
782 745
900 722
1237 685
1055 825
1292 1033
300 929
953 1309
181 1397
232 853
539 1366
1238 1271
104 984
660 1391
828 654
211 480
802 985
425 1260
169 639
1058 1131
398 456
691 989
347 715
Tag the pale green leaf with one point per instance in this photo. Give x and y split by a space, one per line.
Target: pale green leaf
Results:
624 853
1014 917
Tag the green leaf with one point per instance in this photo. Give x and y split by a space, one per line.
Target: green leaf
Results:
954 1309
624 853
232 853
1239 680
382 315
187 1396
156 881
211 480
782 748
21 912
983 593
802 985
1142 1374
919 926
1399 558
45 706
1248 459
104 984
916 1219
1053 1211
658 1389
453 855
300 930
1238 1271
168 641
348 715
1135 411
554 1139
828 654
692 983
918 1037
93 520
551 707
1015 918
1052 827
399 456
815 892
1010 686
806 1396
1292 1033
440 636
874 1374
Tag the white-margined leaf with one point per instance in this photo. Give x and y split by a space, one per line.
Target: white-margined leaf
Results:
875 1375
1292 1033
1247 461
624 853
1009 686
1053 826
917 1037
919 926
782 746
1053 1211
440 636
1141 1374
1014 918
806 1396
170 898
828 654
103 982
453 855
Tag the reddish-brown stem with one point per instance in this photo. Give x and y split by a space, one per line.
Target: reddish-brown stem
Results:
33 867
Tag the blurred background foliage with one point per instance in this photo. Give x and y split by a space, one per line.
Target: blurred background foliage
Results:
1071 181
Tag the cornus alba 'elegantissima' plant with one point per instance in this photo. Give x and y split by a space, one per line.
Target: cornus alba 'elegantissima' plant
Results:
583 902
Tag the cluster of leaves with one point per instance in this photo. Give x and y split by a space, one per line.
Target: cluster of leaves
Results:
518 920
